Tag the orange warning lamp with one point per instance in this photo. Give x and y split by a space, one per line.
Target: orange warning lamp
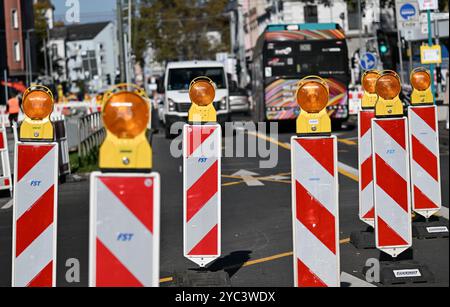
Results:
421 83
38 103
313 97
202 92
126 116
388 88
369 81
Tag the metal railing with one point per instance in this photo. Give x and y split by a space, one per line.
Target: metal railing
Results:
91 134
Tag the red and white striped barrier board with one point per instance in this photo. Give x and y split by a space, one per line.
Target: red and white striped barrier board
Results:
315 212
425 160
124 230
202 193
5 175
34 215
366 206
393 228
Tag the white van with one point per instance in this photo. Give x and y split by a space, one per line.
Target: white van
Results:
177 79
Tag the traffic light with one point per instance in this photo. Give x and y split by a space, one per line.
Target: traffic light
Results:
387 49
126 114
384 48
37 105
312 96
369 82
202 92
421 83
388 88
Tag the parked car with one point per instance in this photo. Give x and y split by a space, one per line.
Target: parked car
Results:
239 99
177 79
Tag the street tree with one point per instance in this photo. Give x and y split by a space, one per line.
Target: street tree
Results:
181 29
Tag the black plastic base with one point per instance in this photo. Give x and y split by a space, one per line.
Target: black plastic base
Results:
434 228
402 270
202 278
363 239
405 272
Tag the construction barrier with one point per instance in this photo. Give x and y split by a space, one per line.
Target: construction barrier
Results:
59 122
35 215
315 211
124 230
425 160
393 227
315 189
91 134
366 192
125 196
5 175
202 152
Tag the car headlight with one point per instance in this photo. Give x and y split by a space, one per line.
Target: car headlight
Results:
223 104
171 105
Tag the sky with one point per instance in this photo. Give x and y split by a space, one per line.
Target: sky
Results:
90 10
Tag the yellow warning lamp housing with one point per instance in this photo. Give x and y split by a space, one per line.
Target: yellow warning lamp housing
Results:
202 92
38 103
369 82
388 89
421 83
126 113
313 97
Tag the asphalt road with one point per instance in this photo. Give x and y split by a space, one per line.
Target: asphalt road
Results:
256 220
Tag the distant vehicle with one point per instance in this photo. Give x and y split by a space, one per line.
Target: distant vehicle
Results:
285 54
177 79
239 102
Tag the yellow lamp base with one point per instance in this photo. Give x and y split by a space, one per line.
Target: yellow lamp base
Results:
422 97
126 154
314 124
37 130
198 114
389 108
369 101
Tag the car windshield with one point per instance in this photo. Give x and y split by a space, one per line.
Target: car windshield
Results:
180 79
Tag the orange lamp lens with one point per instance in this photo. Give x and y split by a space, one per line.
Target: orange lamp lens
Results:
202 93
126 115
370 82
421 80
388 87
38 105
312 97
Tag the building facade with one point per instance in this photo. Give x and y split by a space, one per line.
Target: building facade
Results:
85 52
17 41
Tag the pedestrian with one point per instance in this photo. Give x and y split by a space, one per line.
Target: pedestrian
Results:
13 108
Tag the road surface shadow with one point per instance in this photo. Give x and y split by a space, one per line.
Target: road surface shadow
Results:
231 263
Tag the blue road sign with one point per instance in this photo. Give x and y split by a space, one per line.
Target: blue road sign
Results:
369 61
407 11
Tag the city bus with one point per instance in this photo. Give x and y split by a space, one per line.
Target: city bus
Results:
285 54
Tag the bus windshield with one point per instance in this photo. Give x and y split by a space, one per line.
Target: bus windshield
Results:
180 78
324 58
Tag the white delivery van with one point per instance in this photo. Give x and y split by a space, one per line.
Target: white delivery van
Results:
177 79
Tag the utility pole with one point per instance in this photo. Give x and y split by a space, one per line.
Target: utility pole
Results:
5 76
120 35
50 56
430 43
277 11
241 46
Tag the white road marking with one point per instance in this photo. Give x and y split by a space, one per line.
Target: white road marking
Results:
355 282
249 178
8 205
444 212
349 169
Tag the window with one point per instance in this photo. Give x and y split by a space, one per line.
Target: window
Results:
14 19
17 53
311 15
